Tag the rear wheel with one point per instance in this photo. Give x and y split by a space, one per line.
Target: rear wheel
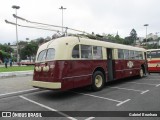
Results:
97 81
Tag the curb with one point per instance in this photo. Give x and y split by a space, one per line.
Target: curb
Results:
16 73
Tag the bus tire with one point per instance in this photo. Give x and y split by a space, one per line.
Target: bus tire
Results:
141 73
97 81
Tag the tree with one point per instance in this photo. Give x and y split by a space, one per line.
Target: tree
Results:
131 40
29 50
118 39
133 36
48 38
109 37
40 40
112 38
128 41
4 55
6 48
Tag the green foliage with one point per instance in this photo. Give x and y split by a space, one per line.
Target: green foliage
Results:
4 55
115 39
130 40
152 46
29 50
119 40
6 48
16 68
40 40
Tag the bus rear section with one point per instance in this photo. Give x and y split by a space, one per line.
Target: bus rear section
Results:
153 58
45 75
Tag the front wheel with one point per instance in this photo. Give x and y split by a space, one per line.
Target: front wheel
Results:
141 73
97 81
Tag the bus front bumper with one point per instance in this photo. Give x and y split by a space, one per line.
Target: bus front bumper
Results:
47 85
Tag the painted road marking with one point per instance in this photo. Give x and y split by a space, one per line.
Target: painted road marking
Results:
119 102
123 102
144 91
145 83
157 85
153 79
17 92
49 108
141 92
90 118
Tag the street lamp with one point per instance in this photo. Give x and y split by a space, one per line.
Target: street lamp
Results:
16 7
62 8
146 32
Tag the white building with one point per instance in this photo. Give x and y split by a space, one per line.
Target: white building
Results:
153 36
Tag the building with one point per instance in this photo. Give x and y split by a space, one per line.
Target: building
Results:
152 39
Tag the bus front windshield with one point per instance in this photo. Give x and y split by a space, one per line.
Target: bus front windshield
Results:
46 55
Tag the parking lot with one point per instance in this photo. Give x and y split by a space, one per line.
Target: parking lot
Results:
130 94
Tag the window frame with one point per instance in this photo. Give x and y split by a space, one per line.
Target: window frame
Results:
79 48
80 52
45 55
122 53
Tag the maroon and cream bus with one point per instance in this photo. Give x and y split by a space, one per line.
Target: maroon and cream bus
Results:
153 57
72 62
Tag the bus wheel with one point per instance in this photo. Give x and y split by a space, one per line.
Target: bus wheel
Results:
97 81
141 73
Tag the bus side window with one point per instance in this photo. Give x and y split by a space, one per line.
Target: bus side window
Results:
158 54
75 52
126 54
155 54
97 52
140 55
136 55
86 51
120 54
131 55
148 54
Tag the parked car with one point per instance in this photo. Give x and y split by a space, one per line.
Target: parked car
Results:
26 62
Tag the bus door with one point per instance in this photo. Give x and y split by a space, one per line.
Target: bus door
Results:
110 64
146 64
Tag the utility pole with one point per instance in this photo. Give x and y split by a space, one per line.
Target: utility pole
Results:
62 8
146 32
16 8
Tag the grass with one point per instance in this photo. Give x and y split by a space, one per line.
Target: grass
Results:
16 68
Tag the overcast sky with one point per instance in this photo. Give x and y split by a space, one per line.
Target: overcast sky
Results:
98 16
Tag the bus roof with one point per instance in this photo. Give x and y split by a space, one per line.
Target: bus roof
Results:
64 45
86 41
153 49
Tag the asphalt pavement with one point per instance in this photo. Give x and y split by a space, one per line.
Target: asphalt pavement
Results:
129 95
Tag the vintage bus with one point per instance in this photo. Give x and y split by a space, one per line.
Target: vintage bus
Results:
153 57
72 62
